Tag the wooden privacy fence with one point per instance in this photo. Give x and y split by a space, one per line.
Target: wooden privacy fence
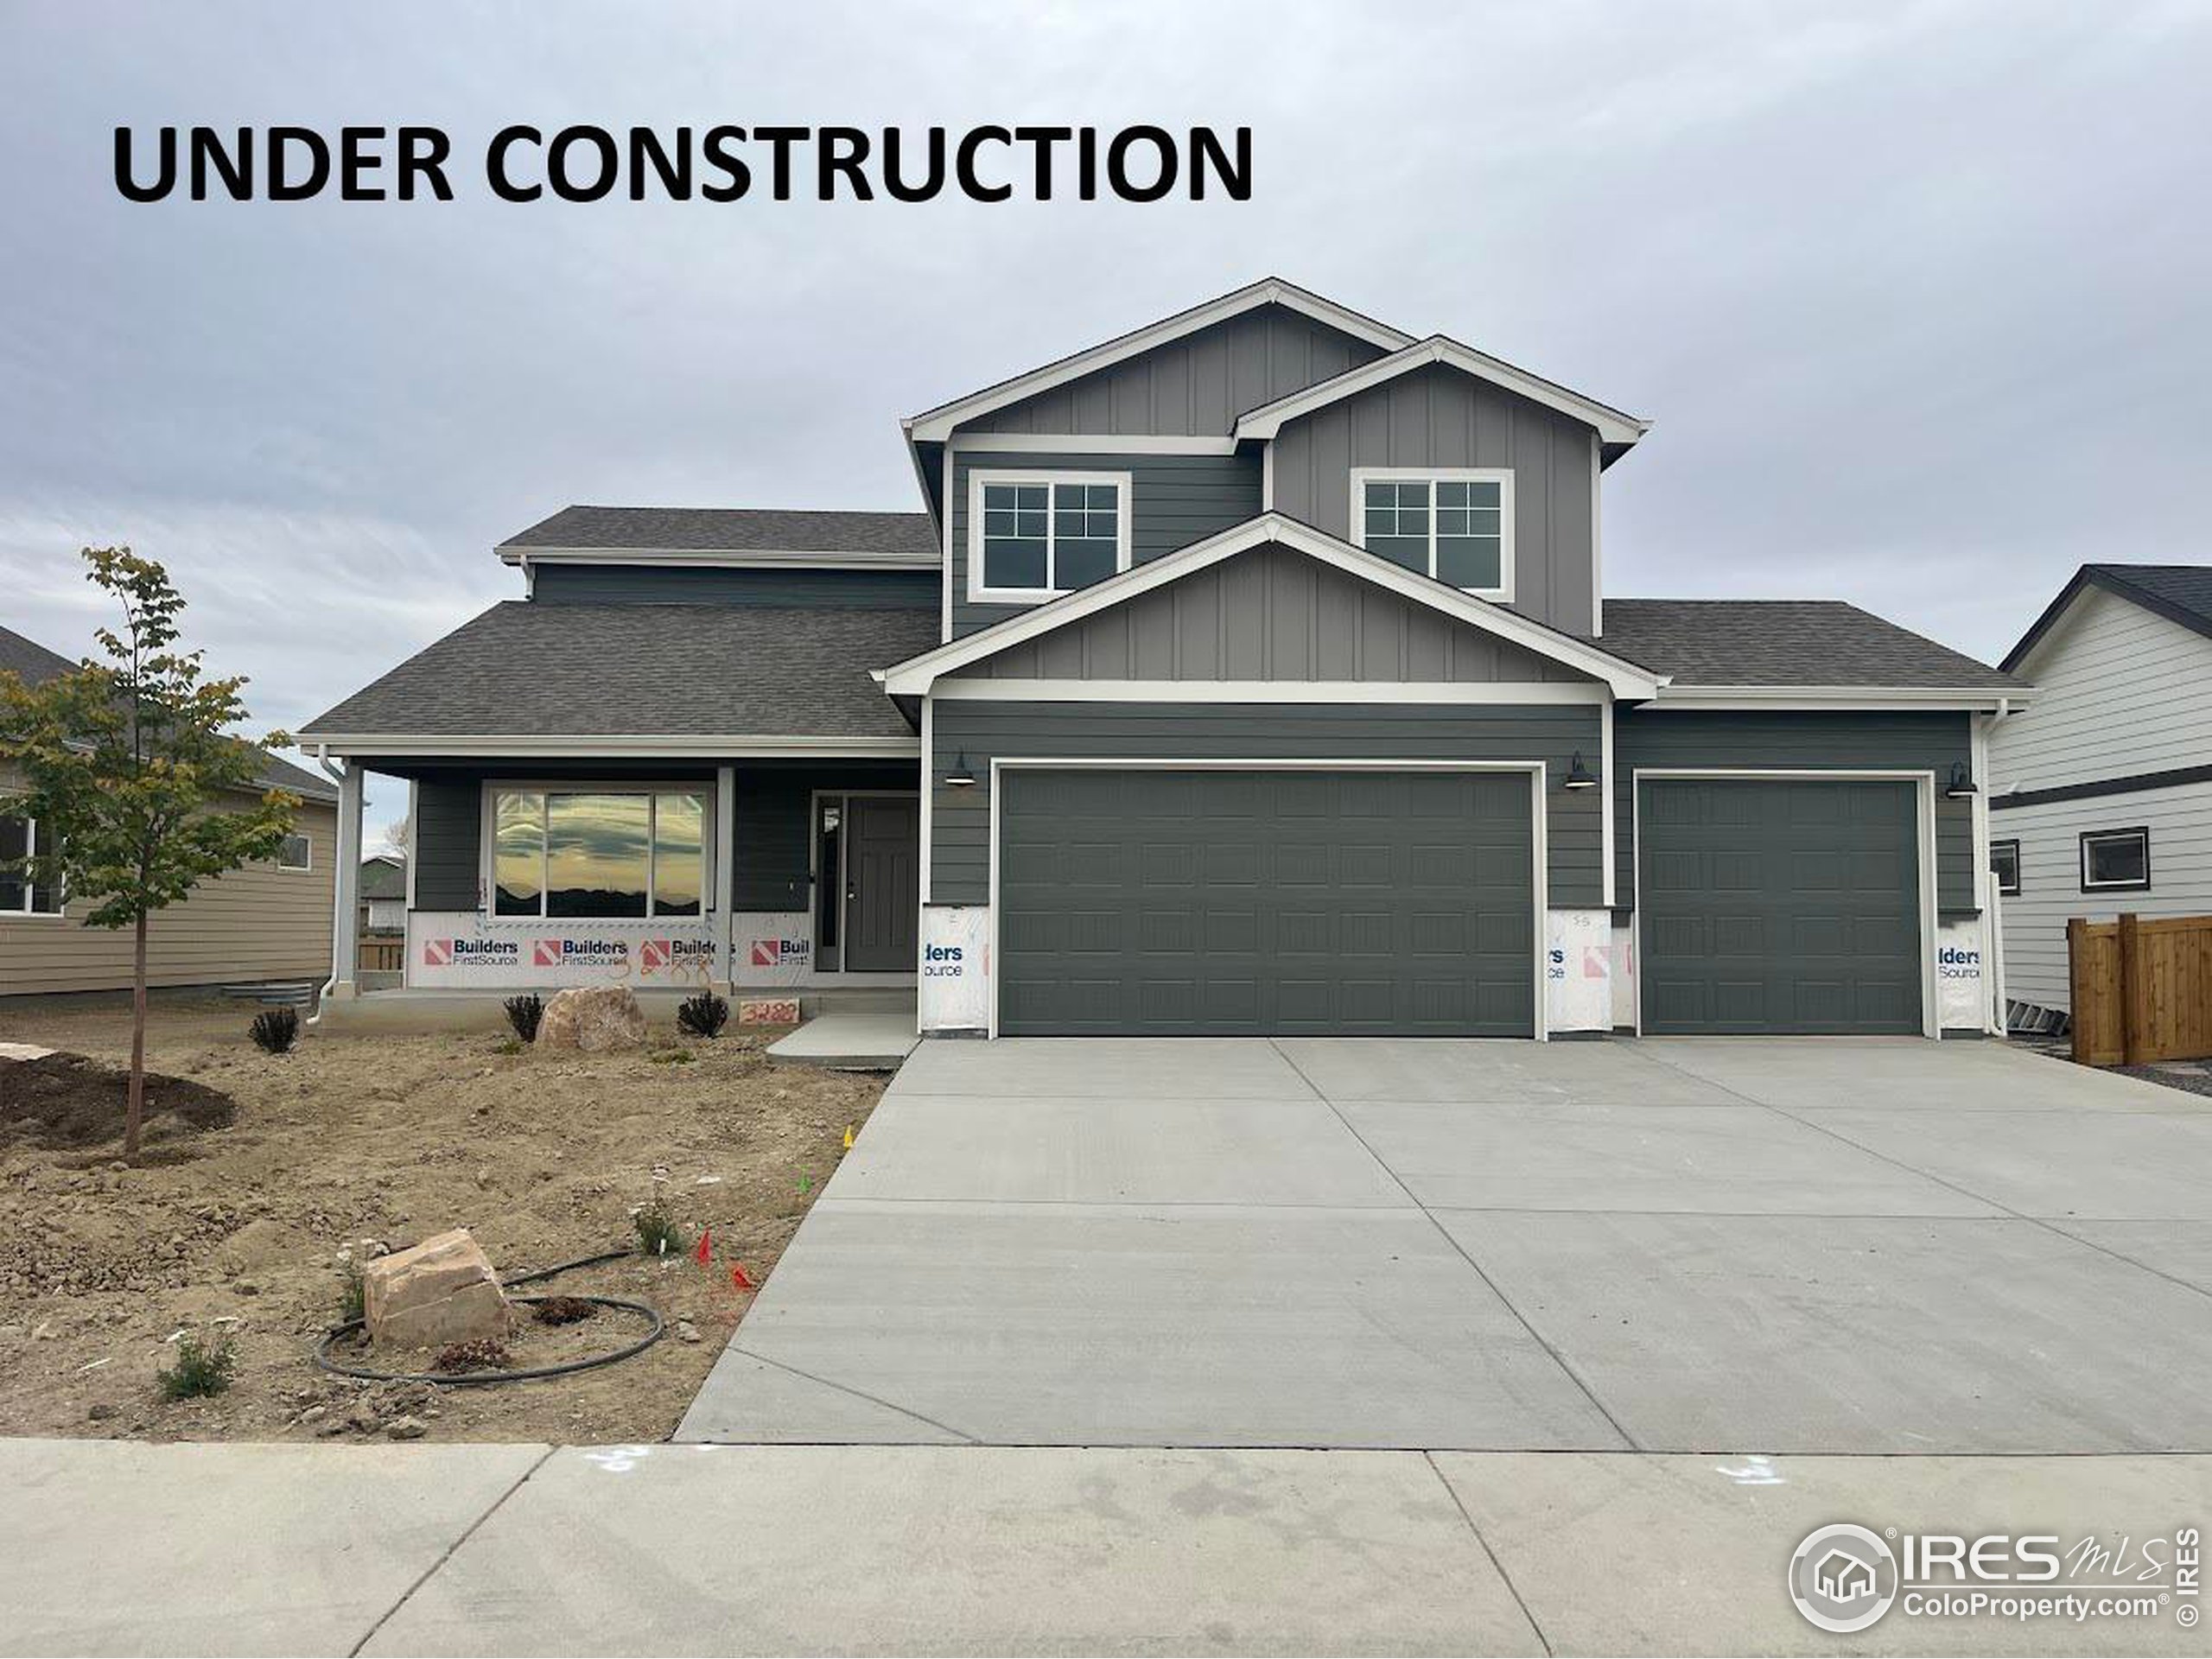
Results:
2142 990
381 953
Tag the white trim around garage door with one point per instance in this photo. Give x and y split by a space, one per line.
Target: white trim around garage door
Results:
1538 872
1925 840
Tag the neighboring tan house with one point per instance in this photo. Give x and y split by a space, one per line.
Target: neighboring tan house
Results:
384 894
1250 672
2102 792
263 922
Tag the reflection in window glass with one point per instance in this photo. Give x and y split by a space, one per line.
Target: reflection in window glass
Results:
596 852
1397 521
679 855
15 848
519 858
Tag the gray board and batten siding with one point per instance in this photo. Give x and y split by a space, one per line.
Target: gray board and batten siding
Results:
1436 416
1295 733
1271 613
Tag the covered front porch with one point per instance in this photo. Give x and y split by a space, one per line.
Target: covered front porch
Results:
751 875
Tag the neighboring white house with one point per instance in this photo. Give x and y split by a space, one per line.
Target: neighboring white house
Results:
384 894
2101 791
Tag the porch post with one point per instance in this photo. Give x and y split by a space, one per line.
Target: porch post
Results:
725 871
344 943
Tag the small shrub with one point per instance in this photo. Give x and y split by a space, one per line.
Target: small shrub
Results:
523 1013
484 1354
353 1295
201 1369
703 1016
671 1057
659 1233
513 1045
277 1029
562 1310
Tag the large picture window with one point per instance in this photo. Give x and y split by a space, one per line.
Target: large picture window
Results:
1454 525
1031 535
29 883
602 854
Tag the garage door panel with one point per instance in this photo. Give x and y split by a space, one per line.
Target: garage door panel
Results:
1808 916
1365 902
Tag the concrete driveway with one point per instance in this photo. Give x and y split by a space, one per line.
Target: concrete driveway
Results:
1794 1246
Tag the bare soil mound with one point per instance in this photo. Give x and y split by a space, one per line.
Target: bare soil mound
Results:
63 1101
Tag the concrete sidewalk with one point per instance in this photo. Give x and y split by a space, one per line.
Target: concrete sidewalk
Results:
110 1548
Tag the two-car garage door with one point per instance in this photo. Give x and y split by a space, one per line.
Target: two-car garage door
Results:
1193 902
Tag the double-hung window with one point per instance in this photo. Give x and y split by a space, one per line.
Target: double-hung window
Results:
1455 525
598 854
30 885
2116 860
1033 535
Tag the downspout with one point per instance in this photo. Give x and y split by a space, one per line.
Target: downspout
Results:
330 985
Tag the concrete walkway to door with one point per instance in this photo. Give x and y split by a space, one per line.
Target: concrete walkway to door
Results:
1786 1246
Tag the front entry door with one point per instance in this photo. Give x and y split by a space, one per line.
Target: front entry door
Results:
882 883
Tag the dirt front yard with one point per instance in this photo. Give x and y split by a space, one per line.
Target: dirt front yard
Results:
351 1146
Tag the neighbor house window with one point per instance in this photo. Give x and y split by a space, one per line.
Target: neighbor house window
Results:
602 854
2116 860
1032 536
2005 863
1456 526
297 853
29 883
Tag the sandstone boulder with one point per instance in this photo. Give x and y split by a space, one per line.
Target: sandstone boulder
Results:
592 1018
442 1291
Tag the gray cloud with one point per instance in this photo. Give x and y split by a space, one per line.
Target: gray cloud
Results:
1915 294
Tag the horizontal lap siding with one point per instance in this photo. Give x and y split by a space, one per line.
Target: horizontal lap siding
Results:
255 923
2180 823
446 836
1759 741
1174 501
960 868
602 584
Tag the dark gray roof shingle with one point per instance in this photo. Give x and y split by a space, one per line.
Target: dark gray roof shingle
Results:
1785 642
383 876
2180 593
602 671
734 530
35 664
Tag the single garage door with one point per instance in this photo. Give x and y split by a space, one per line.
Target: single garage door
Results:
1777 907
1186 902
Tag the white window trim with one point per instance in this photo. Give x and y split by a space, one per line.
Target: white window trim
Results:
2003 892
296 869
30 852
2131 832
1501 476
487 862
978 593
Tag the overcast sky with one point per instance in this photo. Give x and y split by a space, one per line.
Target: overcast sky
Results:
1917 296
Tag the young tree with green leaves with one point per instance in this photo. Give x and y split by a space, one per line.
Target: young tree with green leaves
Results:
135 766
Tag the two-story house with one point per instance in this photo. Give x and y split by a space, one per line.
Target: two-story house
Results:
2102 792
1250 672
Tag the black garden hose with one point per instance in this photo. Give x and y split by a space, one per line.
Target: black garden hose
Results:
484 1379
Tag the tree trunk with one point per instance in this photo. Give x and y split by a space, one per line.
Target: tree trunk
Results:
134 1117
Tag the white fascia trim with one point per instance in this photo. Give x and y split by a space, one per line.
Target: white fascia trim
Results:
916 674
1172 691
1613 426
1889 697
749 558
641 746
1087 443
937 424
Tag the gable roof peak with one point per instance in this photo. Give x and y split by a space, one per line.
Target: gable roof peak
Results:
2182 594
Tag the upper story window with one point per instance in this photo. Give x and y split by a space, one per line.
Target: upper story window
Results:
1033 535
2005 863
1454 524
599 853
297 854
28 885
